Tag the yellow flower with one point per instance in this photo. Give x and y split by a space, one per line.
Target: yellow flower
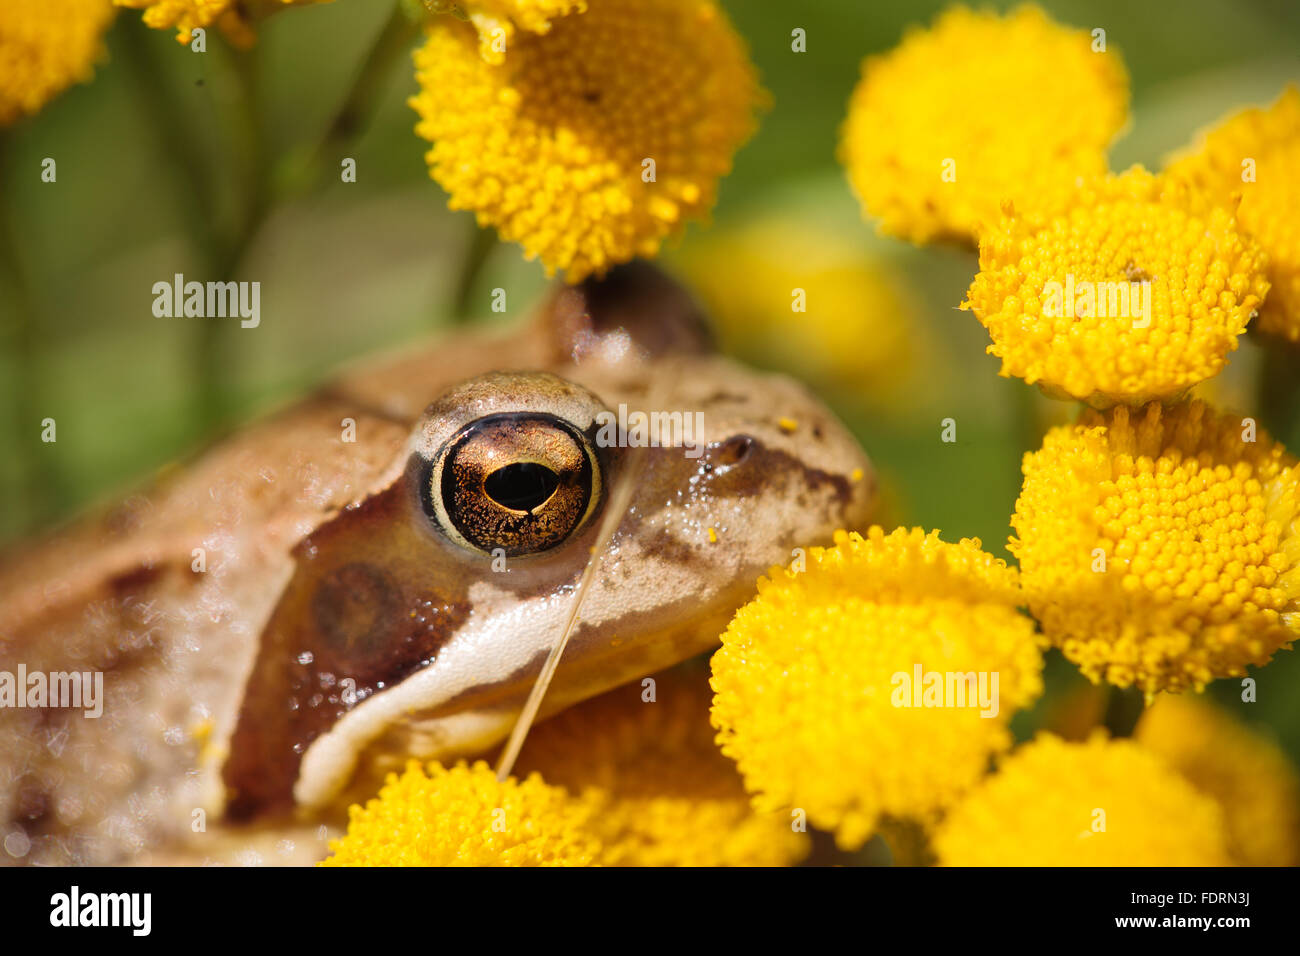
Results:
662 793
45 47
593 143
1159 547
1099 803
1247 773
814 697
496 20
777 281
462 816
1252 158
234 17
1135 293
976 110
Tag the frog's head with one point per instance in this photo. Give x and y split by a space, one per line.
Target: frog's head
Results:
419 618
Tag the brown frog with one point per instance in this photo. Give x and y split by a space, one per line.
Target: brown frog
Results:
367 577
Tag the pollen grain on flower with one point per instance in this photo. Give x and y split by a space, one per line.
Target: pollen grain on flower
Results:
1248 164
1158 547
806 682
1096 803
976 110
45 47
595 142
1244 770
1137 291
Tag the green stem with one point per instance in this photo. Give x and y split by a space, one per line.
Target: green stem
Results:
477 252
1278 405
1124 708
38 478
392 44
224 249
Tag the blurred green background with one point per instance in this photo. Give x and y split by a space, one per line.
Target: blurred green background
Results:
227 163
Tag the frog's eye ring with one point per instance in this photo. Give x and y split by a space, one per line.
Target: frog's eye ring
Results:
522 482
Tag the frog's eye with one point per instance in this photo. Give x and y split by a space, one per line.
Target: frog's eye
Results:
519 481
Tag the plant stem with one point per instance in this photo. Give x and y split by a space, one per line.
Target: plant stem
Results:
1124 707
1279 391
477 251
224 249
393 41
38 478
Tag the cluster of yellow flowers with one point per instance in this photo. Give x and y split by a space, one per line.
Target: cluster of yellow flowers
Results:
1159 548
1128 296
824 694
870 684
978 109
588 133
594 142
630 778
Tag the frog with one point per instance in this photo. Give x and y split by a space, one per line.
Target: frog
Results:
377 573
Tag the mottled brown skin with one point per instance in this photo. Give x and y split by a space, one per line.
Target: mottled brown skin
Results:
336 630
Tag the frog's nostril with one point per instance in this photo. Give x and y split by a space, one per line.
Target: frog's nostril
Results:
734 450
522 486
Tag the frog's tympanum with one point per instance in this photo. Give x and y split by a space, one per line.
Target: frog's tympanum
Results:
379 572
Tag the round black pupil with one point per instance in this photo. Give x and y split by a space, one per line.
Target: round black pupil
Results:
521 486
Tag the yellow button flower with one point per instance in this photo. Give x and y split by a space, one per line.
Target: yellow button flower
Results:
1159 547
1137 292
849 312
1099 803
45 47
496 20
1252 157
1248 774
662 794
976 110
234 17
462 816
851 690
595 142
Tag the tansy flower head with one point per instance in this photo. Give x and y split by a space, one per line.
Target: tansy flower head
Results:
979 109
593 143
1099 803
1248 774
463 816
1252 158
814 683
45 47
234 17
847 310
643 757
1136 292
1161 546
496 20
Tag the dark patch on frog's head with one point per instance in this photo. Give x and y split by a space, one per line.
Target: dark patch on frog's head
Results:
634 308
373 598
